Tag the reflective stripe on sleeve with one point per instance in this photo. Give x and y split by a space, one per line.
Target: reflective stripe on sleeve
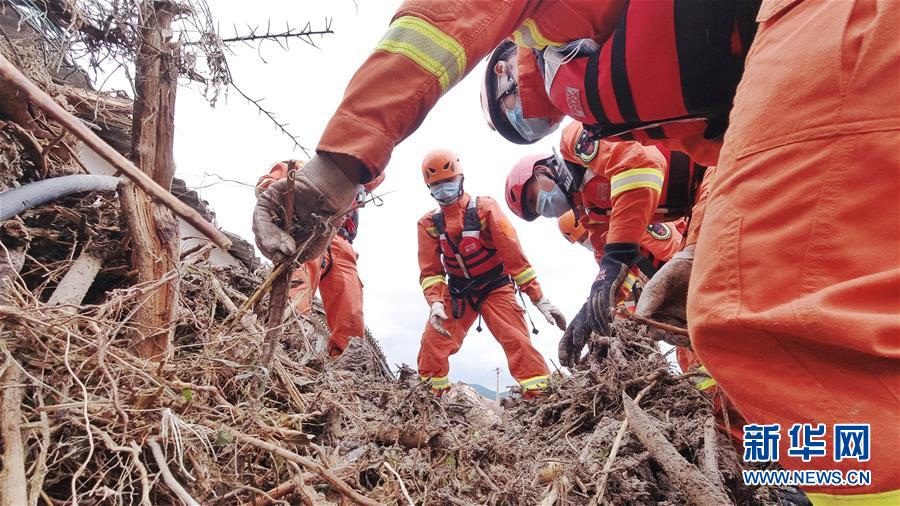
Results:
537 382
529 35
433 50
432 280
636 178
525 276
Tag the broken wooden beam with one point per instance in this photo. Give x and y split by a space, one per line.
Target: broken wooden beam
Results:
77 281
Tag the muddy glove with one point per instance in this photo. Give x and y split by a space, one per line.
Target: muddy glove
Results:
614 266
323 194
437 317
665 297
573 341
553 315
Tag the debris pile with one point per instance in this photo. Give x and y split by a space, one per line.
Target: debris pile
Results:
100 425
86 420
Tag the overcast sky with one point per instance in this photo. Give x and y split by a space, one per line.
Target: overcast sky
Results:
303 86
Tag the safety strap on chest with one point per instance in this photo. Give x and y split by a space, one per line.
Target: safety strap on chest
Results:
471 290
471 228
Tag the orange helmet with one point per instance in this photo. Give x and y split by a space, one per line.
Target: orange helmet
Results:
573 231
440 165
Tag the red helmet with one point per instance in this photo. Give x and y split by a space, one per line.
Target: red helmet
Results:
521 173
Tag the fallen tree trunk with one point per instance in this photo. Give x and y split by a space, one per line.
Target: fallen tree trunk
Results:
689 479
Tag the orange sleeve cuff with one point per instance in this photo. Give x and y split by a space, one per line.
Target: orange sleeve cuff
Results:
348 135
533 291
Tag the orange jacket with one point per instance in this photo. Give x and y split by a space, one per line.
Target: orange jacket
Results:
429 47
625 177
662 240
496 232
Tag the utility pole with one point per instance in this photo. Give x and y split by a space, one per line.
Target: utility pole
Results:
497 391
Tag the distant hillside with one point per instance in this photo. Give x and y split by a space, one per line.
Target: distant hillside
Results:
487 392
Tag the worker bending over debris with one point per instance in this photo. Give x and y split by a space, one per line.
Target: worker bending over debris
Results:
334 273
660 238
803 328
617 189
469 258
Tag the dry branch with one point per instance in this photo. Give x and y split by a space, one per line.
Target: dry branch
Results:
310 464
13 487
45 102
689 479
77 281
168 478
653 323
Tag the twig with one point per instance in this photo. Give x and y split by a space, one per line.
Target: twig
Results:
617 442
653 323
45 102
87 421
278 297
310 464
710 465
402 485
695 485
168 478
36 484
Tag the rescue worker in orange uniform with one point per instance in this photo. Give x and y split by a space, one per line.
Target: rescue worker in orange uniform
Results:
815 111
334 273
662 238
617 189
469 258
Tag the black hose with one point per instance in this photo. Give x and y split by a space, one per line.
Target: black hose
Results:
23 198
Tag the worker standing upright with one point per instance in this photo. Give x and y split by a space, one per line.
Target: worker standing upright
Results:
470 261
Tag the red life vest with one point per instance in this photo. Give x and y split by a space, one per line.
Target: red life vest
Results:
670 69
468 259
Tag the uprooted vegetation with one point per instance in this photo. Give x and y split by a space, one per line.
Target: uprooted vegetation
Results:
100 425
88 421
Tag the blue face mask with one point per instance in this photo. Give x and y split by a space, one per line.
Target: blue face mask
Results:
552 204
447 192
531 129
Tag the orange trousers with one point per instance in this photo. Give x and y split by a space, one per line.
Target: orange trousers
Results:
341 291
506 320
794 301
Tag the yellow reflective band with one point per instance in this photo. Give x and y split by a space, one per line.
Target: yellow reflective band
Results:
534 383
636 178
891 497
432 231
525 276
706 384
428 47
440 383
432 280
529 35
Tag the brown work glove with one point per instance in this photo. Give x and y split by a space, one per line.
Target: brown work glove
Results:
323 194
665 297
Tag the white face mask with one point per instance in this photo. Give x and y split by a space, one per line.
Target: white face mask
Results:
447 192
552 204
